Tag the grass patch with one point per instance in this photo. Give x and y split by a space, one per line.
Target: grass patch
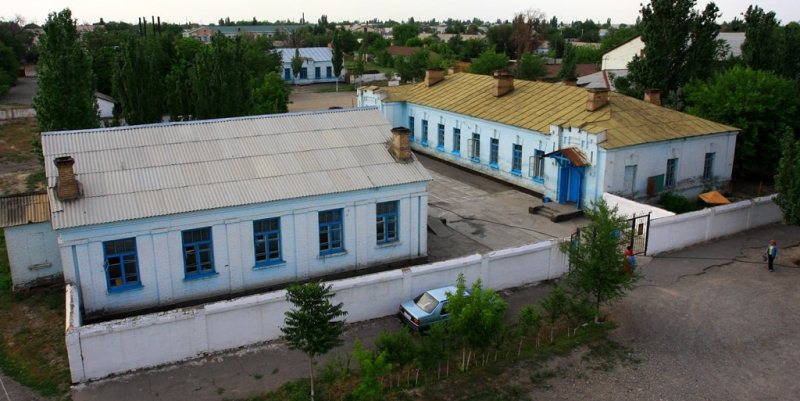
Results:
32 349
17 140
36 181
342 88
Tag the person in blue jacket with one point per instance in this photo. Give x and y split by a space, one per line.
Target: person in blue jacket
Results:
772 253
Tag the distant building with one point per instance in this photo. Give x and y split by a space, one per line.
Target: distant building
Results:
206 32
156 215
567 143
105 106
317 65
619 57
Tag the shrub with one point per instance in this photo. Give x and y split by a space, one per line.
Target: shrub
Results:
399 347
677 203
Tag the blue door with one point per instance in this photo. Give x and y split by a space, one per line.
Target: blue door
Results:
569 183
287 74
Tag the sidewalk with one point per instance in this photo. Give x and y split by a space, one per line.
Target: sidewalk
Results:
249 372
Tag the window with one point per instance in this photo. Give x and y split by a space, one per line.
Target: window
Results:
538 165
386 222
329 72
672 165
475 148
330 232
493 148
122 269
287 74
457 141
267 240
440 138
411 129
198 258
708 166
317 72
424 141
516 160
304 73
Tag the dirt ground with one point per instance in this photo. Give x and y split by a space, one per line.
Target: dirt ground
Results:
308 98
17 157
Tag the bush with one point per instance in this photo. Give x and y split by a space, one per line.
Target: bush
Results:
677 203
399 347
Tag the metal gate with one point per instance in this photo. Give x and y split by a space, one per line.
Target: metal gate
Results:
640 233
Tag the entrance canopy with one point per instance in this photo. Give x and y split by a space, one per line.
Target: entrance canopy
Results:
574 155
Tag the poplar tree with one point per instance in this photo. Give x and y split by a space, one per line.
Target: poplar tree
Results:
787 181
297 64
65 98
221 81
139 80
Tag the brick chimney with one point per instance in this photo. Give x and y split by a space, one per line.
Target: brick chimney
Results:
653 96
433 76
67 187
504 83
569 82
597 98
401 149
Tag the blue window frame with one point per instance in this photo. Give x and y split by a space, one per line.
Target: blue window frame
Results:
708 166
329 72
475 148
493 150
386 222
456 141
198 255
121 265
440 138
411 129
304 73
516 160
537 166
331 232
317 72
267 241
287 74
672 166
424 141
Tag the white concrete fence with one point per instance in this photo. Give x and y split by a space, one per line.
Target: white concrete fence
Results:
17 112
99 350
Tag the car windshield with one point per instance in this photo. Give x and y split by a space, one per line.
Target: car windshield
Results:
426 302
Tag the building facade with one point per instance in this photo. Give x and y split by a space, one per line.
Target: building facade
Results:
569 144
157 215
317 65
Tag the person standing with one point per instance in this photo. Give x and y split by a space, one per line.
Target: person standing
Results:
629 257
772 253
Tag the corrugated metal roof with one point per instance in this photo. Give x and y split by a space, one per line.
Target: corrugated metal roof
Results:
17 210
313 53
536 105
151 170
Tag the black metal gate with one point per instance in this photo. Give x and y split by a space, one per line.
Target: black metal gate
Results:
640 233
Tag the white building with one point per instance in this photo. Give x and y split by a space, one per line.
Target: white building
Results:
566 143
317 65
105 106
619 57
155 215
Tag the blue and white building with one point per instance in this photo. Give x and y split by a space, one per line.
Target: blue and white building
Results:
569 144
317 65
155 215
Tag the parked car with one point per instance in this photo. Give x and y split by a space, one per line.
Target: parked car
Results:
428 308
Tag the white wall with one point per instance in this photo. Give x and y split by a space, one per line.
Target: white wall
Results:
102 349
105 109
651 160
618 59
160 254
32 254
99 350
310 66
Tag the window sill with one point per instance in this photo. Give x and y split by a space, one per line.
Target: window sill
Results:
387 244
456 153
516 173
332 254
538 180
201 276
270 265
493 165
440 148
424 143
475 159
125 288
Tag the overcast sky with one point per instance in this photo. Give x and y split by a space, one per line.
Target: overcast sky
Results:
210 11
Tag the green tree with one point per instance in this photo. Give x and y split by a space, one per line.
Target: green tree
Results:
65 97
403 32
531 67
372 366
616 37
488 63
569 64
596 258
680 45
554 305
529 321
499 38
313 324
338 57
180 99
787 180
8 67
272 96
137 82
760 103
477 316
297 64
788 64
760 47
221 82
